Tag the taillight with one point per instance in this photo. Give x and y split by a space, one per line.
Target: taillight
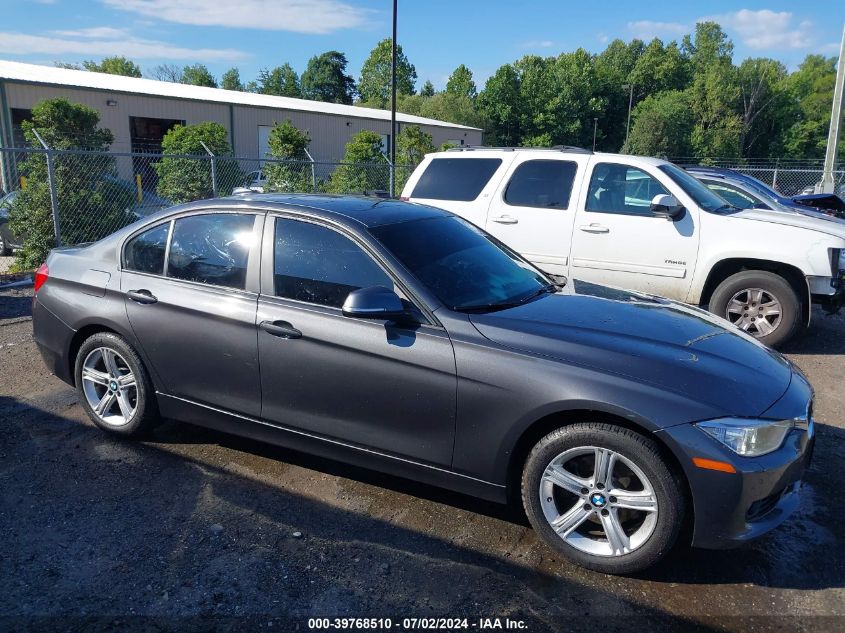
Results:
41 276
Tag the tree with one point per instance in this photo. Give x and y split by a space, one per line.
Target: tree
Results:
113 66
325 79
501 105
427 89
231 80
92 202
662 126
281 81
374 83
364 167
460 83
167 72
198 75
810 89
412 144
453 108
185 179
765 107
714 93
288 143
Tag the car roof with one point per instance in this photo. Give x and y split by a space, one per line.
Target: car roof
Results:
368 211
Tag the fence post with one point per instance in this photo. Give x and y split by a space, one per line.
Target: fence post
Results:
51 181
775 176
313 172
213 168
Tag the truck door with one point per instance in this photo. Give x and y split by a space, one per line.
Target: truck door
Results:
533 211
617 240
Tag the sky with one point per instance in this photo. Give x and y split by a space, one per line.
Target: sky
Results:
436 35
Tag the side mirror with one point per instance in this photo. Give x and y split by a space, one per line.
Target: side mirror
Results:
666 206
375 302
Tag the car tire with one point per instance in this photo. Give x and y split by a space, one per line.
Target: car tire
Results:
5 249
114 386
737 292
636 462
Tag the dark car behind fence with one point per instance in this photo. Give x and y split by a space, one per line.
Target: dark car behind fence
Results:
68 197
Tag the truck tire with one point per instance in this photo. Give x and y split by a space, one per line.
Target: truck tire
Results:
762 303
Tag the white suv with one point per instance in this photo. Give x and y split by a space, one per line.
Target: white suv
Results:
647 225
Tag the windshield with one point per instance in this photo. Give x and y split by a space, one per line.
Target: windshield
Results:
462 265
760 186
694 188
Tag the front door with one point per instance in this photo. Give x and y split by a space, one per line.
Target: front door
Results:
618 241
367 382
195 317
532 213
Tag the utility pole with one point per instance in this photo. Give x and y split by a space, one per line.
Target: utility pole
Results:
393 109
827 183
595 129
630 102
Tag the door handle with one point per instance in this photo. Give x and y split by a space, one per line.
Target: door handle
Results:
141 296
282 329
505 219
594 228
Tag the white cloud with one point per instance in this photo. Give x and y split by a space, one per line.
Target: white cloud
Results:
534 44
766 30
119 43
300 16
97 32
649 29
603 38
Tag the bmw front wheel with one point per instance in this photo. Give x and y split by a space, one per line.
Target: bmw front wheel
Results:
603 497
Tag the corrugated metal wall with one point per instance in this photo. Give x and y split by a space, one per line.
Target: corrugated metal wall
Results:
329 133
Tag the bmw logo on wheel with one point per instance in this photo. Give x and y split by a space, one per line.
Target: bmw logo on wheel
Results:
598 500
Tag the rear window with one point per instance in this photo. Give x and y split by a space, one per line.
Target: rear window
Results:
455 178
541 183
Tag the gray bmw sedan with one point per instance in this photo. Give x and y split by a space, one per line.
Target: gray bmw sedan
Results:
402 338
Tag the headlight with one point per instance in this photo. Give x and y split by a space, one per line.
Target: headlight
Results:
749 438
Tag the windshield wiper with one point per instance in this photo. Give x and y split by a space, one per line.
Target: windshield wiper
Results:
502 305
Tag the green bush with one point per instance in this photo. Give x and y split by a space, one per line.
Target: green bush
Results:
412 144
92 203
364 167
182 179
288 143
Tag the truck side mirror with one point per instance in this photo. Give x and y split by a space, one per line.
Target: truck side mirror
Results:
666 206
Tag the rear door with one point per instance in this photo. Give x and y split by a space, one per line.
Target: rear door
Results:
533 211
191 293
619 242
462 183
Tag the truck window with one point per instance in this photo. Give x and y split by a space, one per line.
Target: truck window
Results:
455 178
541 183
622 189
736 197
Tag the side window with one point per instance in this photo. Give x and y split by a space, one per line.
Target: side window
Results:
734 196
211 248
455 178
622 189
144 253
316 264
541 183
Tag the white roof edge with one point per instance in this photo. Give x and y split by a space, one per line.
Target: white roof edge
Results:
32 73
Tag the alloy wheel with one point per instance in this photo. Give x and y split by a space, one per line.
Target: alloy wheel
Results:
598 501
110 386
755 310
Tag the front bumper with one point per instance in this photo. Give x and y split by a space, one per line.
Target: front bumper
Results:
828 292
730 509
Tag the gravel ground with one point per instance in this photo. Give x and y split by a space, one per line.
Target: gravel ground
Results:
197 530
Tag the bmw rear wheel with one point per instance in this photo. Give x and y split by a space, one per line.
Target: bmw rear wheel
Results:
114 387
603 497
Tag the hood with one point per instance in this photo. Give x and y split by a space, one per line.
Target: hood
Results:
824 201
801 218
648 339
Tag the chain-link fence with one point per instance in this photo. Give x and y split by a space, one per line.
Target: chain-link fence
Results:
68 197
788 177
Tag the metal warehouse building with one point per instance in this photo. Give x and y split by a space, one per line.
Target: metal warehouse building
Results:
140 111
